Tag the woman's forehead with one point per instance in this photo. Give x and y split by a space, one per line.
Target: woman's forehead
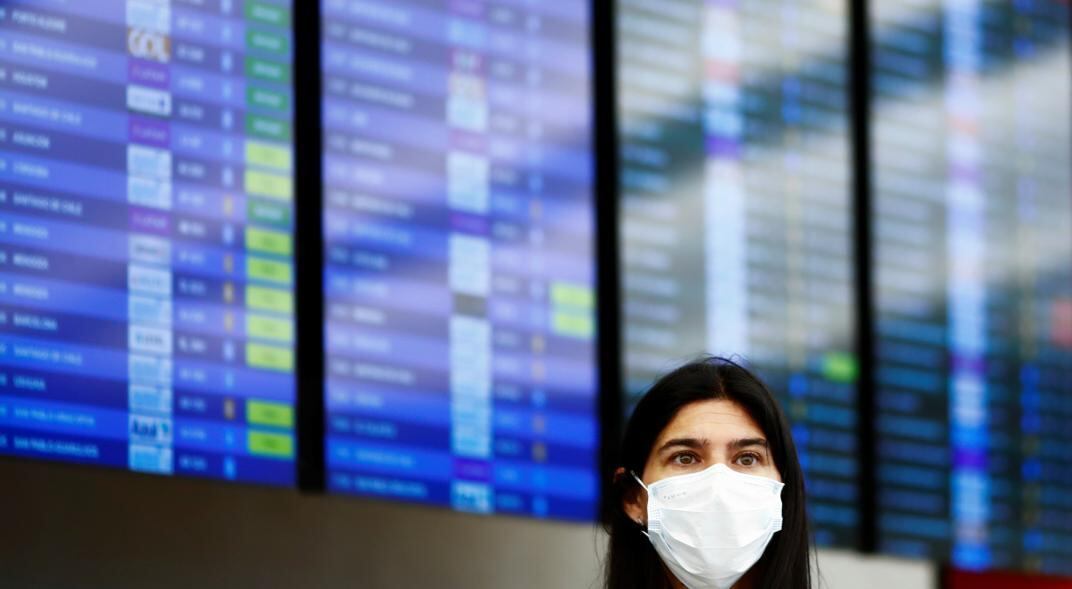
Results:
719 421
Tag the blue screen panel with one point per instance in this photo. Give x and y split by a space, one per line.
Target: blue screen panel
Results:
973 263
459 273
736 214
146 312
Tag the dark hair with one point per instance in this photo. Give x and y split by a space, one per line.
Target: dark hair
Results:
631 561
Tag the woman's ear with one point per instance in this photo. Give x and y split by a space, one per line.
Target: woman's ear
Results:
634 502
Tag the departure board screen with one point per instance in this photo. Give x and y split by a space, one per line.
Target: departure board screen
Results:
459 254
972 136
736 214
146 314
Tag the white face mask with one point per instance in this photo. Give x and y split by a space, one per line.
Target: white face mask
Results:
710 527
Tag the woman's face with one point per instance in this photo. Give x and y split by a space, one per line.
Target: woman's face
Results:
701 435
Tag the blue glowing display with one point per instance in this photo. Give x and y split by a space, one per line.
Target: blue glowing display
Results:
145 236
973 139
736 212
459 278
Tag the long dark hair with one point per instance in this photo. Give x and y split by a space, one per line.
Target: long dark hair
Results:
631 561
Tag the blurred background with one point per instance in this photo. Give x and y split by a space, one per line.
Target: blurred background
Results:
372 287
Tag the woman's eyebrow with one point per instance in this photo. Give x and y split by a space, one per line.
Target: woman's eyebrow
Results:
747 442
694 443
697 444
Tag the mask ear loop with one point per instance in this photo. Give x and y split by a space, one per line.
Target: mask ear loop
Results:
637 479
643 529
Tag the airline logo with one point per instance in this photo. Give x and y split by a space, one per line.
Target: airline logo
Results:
150 15
153 340
149 45
153 250
149 193
468 182
468 114
149 398
153 459
147 280
470 358
149 101
150 429
148 310
148 162
151 370
469 496
467 104
470 265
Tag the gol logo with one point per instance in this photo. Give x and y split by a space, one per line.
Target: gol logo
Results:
148 45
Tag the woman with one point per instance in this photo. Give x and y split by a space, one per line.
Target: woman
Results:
710 493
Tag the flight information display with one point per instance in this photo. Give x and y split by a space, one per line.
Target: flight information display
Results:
973 260
736 214
146 202
459 254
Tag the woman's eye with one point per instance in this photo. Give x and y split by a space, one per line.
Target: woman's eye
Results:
685 459
748 460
